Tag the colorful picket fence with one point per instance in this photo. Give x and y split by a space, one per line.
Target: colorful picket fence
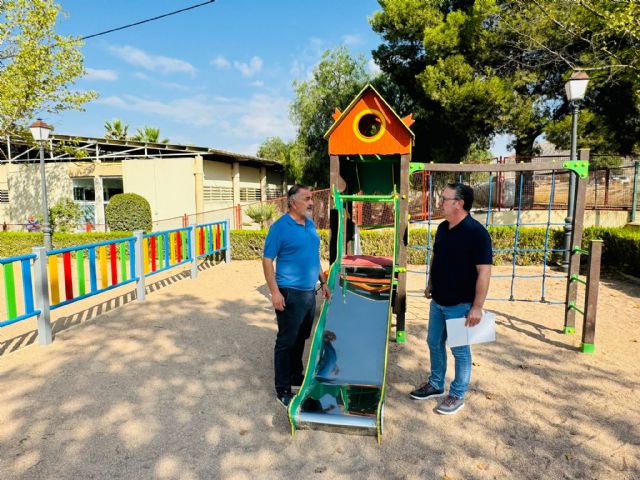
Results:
27 305
163 250
75 273
167 249
109 265
211 238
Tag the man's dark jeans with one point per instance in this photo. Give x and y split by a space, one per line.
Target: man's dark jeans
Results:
294 327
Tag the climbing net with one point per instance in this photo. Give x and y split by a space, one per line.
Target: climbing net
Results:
509 199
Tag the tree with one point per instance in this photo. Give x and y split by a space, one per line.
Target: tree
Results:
149 135
477 68
37 66
116 130
601 37
287 153
65 215
334 82
437 51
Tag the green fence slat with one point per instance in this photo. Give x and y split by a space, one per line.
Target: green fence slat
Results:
80 270
10 291
123 261
183 238
160 250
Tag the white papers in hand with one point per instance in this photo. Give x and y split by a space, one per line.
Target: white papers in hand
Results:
458 334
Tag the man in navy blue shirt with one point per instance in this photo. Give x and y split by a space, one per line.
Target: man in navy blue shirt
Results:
295 245
458 285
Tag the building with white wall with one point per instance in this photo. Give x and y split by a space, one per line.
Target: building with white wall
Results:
175 179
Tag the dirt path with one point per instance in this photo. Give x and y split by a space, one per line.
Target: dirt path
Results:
180 386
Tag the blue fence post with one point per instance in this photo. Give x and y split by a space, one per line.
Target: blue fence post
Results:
193 250
41 284
227 234
140 293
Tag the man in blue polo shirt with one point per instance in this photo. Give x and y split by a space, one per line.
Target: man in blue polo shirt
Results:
295 245
458 285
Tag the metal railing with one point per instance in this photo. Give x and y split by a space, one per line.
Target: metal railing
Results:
55 278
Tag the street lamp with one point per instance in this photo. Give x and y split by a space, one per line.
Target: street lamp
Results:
40 132
575 88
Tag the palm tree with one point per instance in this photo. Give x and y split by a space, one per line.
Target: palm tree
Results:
149 134
116 130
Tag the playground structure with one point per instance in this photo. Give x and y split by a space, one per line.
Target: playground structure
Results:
344 384
370 155
48 280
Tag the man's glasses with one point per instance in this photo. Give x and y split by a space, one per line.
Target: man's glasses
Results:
444 199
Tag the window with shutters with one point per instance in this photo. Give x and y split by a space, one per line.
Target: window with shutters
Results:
4 196
217 194
249 194
273 192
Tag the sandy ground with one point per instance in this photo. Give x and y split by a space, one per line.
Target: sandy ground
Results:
180 386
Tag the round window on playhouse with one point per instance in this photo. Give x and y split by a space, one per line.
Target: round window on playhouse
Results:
369 125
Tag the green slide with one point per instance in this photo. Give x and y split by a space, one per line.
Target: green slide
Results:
344 384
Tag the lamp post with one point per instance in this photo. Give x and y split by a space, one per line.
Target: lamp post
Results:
40 132
575 88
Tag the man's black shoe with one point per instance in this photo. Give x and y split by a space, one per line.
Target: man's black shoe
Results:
426 390
285 399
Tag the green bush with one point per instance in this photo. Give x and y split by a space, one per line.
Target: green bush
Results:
64 215
249 244
620 249
20 243
127 212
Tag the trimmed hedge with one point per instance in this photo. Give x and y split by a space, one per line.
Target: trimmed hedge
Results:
621 246
621 249
248 244
19 243
127 212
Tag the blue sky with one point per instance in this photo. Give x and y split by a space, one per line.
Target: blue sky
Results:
218 76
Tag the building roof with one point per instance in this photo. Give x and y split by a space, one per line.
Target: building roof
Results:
18 150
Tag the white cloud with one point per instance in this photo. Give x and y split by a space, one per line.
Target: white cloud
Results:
249 69
98 74
193 111
257 83
168 85
304 61
156 63
246 120
352 40
265 116
248 149
221 63
373 67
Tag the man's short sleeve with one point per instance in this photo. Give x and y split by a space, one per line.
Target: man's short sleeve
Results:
272 243
484 252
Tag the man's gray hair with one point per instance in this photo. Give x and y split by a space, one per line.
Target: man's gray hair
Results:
293 191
